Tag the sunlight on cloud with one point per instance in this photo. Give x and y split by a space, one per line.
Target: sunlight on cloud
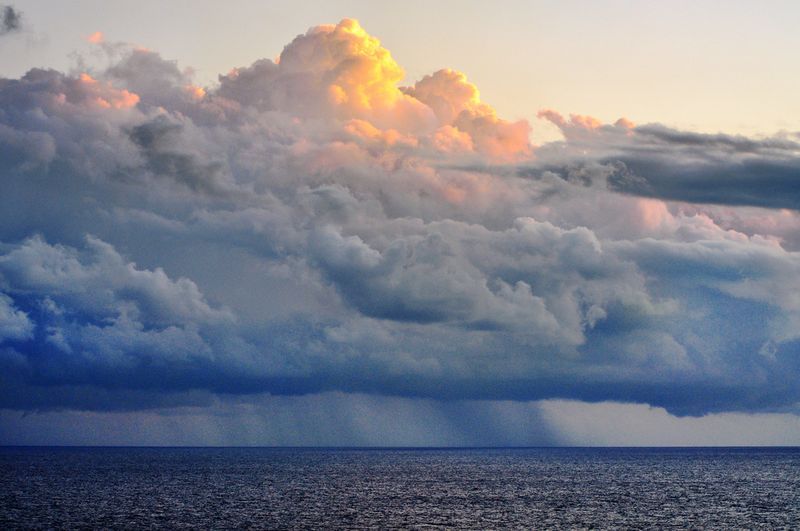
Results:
309 226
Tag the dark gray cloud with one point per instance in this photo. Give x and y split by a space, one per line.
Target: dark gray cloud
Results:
10 20
761 183
159 141
163 246
660 162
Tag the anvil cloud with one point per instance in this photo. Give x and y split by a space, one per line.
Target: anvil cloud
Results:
308 225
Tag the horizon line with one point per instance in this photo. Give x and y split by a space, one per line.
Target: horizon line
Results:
350 447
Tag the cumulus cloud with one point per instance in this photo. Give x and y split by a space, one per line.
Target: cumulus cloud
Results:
100 283
333 70
456 103
309 226
14 324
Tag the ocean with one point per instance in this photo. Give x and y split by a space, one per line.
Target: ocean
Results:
292 488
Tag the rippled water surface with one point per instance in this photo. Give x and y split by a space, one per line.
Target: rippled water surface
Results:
300 488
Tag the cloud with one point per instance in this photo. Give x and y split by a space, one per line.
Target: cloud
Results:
656 161
332 70
327 419
96 38
10 20
357 420
341 71
14 324
456 103
614 424
308 226
102 283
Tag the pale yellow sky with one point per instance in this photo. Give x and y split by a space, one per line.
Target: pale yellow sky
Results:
729 66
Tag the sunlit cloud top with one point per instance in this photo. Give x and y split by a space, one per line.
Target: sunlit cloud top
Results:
314 224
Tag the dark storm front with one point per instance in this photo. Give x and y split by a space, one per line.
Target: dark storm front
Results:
305 488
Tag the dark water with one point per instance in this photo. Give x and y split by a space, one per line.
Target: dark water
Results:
294 488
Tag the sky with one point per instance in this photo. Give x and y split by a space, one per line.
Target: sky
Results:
704 66
344 223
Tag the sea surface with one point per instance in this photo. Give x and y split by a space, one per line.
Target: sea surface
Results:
541 488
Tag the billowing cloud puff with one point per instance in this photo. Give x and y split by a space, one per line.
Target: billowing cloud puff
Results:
331 70
457 104
14 324
310 226
341 71
104 285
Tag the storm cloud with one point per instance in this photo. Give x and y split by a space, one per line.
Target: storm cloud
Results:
656 161
309 226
